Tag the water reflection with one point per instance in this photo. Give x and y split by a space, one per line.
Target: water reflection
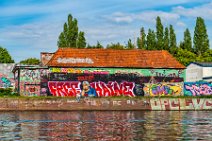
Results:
106 125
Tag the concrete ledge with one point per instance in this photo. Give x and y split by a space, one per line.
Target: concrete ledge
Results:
176 104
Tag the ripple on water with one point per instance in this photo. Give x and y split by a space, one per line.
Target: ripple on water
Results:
106 125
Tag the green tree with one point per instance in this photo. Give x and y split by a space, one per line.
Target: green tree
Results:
159 34
68 37
201 41
166 39
90 46
184 56
98 45
187 43
130 45
62 41
115 46
151 40
30 61
173 42
81 42
205 57
5 56
141 41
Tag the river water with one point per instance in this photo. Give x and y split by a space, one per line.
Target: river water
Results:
106 125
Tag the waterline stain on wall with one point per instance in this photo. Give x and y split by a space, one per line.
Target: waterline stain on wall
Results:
162 104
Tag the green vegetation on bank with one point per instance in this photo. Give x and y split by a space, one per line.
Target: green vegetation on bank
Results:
7 92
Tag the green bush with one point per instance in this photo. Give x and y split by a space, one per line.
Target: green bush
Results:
7 92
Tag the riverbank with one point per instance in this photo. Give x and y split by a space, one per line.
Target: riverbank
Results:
122 103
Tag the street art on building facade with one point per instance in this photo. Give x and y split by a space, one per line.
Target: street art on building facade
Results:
30 81
163 89
115 82
197 88
6 76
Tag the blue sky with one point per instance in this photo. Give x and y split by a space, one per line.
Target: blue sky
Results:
28 27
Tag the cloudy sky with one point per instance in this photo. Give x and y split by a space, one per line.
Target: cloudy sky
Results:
28 27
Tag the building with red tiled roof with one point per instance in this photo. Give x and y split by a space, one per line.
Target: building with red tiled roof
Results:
107 72
69 57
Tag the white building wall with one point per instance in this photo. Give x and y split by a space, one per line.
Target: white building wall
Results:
207 72
194 73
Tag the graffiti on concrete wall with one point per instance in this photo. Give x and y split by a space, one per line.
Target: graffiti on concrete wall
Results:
46 57
112 88
32 90
197 89
180 104
30 81
30 75
165 73
107 84
163 89
6 76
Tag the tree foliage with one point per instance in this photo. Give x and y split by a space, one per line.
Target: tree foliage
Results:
159 33
184 56
81 41
70 37
141 41
115 46
187 40
5 56
130 45
166 39
151 40
173 40
30 61
201 41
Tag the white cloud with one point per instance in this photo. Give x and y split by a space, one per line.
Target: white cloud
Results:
121 17
32 38
180 24
204 11
150 16
109 33
146 16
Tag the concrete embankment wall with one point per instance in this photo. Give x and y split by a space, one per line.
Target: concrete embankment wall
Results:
7 104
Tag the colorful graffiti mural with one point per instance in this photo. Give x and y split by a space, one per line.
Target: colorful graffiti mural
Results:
30 81
115 81
180 104
197 89
45 57
163 89
32 90
6 76
106 81
112 88
141 72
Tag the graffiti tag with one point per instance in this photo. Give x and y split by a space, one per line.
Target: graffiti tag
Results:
71 88
199 89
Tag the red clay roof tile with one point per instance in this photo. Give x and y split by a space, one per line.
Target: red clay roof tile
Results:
69 57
